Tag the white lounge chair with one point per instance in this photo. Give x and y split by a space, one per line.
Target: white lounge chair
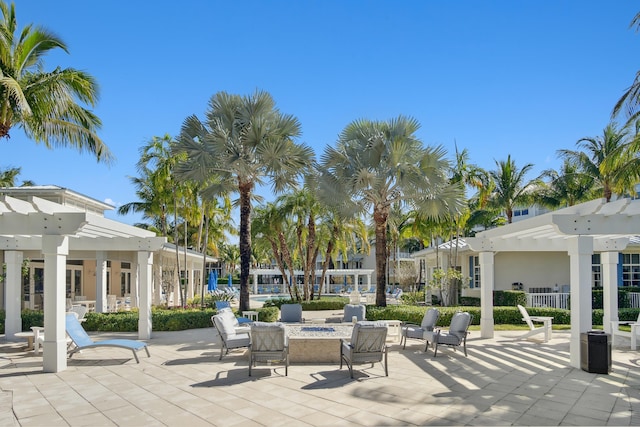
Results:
82 341
632 335
535 330
230 336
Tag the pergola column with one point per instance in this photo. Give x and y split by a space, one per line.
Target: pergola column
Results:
609 261
145 266
12 289
580 251
255 283
101 281
190 280
55 250
486 293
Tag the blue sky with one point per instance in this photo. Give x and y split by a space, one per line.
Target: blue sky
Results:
524 78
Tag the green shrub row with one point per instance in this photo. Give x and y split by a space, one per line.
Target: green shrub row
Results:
328 303
177 319
501 315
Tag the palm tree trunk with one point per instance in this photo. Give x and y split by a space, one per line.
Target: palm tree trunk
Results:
204 259
245 243
380 216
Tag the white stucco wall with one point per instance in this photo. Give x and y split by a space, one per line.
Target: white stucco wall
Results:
532 269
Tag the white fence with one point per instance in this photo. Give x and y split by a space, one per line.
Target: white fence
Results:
554 299
561 300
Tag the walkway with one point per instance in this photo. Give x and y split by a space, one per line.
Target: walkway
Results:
502 382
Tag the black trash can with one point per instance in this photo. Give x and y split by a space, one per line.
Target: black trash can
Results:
595 352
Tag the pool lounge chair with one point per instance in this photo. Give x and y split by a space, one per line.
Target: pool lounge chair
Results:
82 341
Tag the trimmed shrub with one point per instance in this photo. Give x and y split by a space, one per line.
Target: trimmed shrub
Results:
470 301
328 303
268 314
501 315
509 298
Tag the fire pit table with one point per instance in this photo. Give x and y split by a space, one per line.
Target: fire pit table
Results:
316 343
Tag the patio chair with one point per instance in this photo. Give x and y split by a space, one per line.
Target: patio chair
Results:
367 345
411 330
533 329
82 341
455 337
632 335
354 310
291 313
230 338
221 305
269 343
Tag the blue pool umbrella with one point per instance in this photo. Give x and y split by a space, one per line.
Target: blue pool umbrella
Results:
230 281
212 283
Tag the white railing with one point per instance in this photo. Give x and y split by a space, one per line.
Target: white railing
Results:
561 300
634 299
555 300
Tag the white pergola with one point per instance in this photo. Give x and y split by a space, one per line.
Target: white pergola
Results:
356 273
55 231
581 231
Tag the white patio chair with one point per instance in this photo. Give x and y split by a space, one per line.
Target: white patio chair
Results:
545 329
291 313
632 335
229 337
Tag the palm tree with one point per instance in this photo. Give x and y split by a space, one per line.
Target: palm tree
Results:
510 188
566 187
607 160
8 178
45 103
242 141
377 164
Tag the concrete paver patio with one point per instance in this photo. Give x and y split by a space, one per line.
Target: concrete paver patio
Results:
502 382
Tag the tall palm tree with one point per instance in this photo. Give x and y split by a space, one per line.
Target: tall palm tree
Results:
376 164
45 104
243 140
607 160
510 187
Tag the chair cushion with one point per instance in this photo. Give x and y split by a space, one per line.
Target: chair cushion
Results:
225 325
430 319
227 313
413 332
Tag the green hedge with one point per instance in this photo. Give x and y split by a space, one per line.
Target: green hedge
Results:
328 303
177 319
501 315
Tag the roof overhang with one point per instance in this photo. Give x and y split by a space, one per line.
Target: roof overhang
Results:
23 223
611 225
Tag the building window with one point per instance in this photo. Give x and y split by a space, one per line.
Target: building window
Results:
596 271
630 269
476 272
